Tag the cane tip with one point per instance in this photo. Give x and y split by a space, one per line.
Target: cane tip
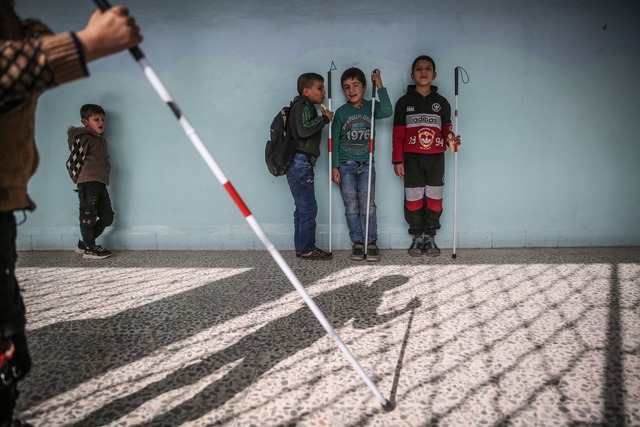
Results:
453 256
389 406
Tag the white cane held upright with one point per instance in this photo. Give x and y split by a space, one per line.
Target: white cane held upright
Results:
282 264
373 112
457 72
330 148
455 165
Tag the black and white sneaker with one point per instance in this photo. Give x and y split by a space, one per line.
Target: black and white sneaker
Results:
317 254
430 248
373 252
357 251
80 248
96 252
416 246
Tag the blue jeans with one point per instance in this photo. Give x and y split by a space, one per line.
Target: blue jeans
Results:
300 177
354 177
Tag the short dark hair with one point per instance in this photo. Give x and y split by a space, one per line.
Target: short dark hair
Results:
307 80
88 110
354 73
423 58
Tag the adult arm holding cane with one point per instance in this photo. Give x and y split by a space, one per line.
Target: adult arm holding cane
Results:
32 60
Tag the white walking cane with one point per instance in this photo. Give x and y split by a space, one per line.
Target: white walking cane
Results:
330 147
213 166
373 110
455 157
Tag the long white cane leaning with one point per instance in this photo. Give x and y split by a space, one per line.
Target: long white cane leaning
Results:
455 157
455 165
213 166
373 120
330 148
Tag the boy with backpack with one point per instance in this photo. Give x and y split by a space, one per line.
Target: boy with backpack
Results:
350 162
305 127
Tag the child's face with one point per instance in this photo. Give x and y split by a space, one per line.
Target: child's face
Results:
423 73
315 93
95 122
353 90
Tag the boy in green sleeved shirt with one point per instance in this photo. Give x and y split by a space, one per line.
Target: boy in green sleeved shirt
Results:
306 126
351 131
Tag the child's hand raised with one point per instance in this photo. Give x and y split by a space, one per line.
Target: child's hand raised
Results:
376 78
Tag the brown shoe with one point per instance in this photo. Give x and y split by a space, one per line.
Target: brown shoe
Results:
357 251
317 254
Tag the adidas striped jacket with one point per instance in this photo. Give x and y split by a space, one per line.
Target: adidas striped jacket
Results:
421 124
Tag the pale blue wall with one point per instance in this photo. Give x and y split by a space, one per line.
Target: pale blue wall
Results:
550 153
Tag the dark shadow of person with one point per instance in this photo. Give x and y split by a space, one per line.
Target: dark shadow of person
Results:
259 352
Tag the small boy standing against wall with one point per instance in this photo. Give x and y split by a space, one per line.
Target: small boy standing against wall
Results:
306 130
350 161
89 168
421 127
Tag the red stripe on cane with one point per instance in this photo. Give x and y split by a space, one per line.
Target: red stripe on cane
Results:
330 144
371 145
236 198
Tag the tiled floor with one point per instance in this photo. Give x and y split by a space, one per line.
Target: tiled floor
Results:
527 337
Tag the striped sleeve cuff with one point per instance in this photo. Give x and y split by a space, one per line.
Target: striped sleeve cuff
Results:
65 57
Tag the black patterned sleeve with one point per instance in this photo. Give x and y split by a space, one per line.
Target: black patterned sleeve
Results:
28 67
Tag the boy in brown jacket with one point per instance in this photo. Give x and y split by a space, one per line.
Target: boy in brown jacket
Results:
89 167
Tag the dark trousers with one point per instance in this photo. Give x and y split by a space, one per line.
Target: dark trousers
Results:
423 190
12 320
96 213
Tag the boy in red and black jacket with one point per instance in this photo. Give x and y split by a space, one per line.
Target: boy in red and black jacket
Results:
421 132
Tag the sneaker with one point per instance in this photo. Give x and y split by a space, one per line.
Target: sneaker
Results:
357 251
317 254
430 248
416 246
373 253
80 248
96 252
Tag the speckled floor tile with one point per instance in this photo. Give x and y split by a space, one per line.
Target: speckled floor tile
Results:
523 337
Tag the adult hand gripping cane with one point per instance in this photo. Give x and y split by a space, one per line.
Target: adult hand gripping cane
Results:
213 166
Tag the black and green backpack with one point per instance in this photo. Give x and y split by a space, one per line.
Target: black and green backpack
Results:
281 148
